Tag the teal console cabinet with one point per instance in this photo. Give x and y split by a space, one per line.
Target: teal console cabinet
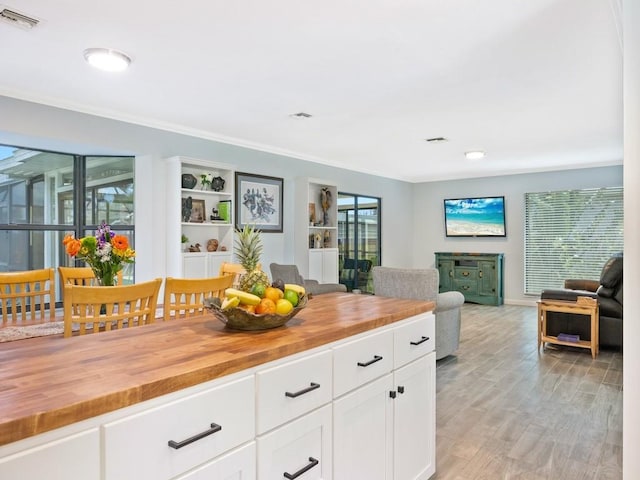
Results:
478 276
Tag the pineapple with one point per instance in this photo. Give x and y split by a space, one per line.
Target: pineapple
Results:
248 248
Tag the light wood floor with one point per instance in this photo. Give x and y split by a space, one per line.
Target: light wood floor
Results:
506 412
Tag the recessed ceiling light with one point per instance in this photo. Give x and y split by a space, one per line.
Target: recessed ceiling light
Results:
474 155
107 59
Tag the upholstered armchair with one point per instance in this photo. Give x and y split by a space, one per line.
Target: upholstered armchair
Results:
422 284
607 290
290 274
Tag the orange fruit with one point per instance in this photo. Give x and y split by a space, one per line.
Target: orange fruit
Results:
248 308
266 305
274 294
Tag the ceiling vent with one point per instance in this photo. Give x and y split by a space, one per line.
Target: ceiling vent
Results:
17 19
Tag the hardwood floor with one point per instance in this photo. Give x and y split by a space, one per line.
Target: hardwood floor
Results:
506 412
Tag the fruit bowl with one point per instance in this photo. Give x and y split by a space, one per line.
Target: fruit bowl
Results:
239 319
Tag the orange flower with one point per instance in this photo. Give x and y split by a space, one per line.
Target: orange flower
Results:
67 238
120 242
72 245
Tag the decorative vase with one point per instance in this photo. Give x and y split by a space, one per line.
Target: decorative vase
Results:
188 180
217 184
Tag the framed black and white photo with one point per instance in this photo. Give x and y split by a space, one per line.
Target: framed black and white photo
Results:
259 202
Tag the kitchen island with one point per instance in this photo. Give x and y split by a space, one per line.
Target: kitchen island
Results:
84 388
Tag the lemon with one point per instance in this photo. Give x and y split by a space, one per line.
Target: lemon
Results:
283 306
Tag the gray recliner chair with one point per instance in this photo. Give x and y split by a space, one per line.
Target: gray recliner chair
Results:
291 274
422 284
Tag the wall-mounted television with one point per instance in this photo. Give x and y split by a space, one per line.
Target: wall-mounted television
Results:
474 217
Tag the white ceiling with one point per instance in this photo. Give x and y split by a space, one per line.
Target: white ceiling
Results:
537 84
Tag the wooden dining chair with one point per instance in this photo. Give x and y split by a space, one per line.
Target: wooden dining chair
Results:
184 297
27 296
95 309
235 270
81 276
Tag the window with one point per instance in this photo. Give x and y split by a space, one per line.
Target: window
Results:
570 234
45 195
358 240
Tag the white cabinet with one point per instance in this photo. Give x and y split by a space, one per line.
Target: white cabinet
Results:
301 448
75 456
363 432
161 443
385 429
414 428
189 212
239 464
322 265
316 229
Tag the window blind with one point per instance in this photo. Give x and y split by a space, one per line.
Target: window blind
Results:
570 234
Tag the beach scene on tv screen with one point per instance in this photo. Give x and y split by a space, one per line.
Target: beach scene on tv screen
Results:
475 217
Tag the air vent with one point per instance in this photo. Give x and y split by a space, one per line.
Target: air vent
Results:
436 139
18 19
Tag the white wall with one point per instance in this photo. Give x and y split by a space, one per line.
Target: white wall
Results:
38 126
429 233
631 432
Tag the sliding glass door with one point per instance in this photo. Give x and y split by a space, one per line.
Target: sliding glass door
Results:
358 240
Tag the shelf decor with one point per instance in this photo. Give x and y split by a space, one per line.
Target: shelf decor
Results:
259 202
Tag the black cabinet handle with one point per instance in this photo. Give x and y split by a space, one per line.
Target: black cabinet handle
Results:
422 340
311 387
376 358
312 463
400 389
214 428
392 394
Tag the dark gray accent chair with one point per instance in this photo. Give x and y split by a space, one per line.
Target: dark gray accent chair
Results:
291 274
607 290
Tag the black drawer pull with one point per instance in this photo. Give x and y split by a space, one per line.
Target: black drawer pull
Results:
311 387
422 340
214 428
400 389
312 463
376 358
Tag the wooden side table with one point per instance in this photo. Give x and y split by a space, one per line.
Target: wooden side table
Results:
583 306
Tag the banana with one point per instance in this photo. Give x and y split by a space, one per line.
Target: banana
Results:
299 289
245 298
230 302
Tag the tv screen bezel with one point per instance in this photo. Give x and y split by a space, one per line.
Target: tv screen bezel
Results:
471 235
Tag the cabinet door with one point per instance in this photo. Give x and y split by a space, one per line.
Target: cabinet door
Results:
194 265
329 265
363 433
238 464
445 269
487 278
414 427
301 448
77 456
214 261
316 263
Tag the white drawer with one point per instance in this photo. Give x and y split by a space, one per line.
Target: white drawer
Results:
76 456
301 447
138 447
236 464
414 339
293 389
361 361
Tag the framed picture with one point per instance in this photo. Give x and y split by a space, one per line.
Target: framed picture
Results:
259 202
197 211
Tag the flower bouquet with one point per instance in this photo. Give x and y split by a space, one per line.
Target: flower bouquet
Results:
106 253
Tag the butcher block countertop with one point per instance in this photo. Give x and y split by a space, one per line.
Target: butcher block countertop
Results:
50 382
